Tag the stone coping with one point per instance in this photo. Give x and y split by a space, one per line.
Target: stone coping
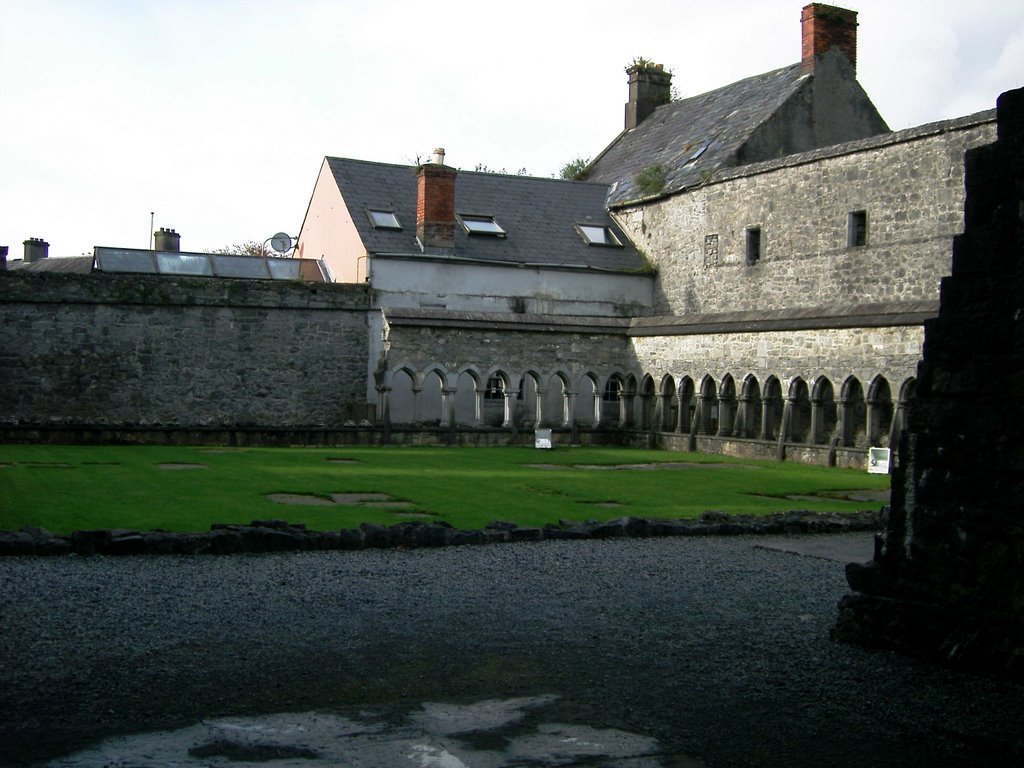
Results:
282 536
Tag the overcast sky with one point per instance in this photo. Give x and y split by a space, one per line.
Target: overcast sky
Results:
216 114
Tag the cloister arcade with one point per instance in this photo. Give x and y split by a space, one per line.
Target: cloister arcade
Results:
813 411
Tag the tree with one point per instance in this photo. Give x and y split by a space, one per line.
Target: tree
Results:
248 248
575 170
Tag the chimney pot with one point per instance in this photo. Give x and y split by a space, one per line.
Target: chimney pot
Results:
824 27
166 240
439 156
36 249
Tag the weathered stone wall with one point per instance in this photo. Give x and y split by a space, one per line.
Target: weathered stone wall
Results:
948 576
145 351
835 353
909 183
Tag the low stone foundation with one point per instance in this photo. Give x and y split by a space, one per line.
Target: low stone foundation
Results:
282 536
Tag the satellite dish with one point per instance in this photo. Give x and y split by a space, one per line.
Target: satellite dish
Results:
281 242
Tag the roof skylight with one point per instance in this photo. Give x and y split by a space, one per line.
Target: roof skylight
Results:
598 235
383 219
481 225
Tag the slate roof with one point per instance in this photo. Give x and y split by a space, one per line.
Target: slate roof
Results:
81 265
537 214
693 137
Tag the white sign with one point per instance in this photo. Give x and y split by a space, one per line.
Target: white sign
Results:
878 461
542 438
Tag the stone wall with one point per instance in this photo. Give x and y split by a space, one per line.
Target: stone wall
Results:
909 184
108 351
947 579
835 353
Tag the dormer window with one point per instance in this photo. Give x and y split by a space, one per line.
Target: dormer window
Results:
383 219
598 235
481 225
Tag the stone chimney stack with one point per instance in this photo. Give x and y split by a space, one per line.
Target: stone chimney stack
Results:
36 249
166 240
650 86
435 203
825 27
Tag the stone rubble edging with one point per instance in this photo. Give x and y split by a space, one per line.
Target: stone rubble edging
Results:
282 536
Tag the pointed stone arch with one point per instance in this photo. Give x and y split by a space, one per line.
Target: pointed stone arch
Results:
879 412
686 395
852 414
588 400
497 398
669 416
727 406
797 416
771 409
707 406
648 403
748 412
824 416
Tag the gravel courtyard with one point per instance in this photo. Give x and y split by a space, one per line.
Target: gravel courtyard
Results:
661 652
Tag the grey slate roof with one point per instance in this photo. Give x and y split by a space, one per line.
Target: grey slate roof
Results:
81 265
694 137
537 214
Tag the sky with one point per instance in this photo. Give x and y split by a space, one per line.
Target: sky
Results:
213 117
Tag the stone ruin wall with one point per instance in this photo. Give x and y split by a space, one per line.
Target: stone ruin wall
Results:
910 184
947 578
106 351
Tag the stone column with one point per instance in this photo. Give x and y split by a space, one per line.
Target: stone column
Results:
416 403
568 407
740 426
682 409
538 407
509 401
478 406
447 411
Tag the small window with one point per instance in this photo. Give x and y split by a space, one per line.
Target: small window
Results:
495 389
598 235
753 245
481 225
383 219
612 391
857 229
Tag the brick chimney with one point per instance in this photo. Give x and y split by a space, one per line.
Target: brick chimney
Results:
825 27
36 249
166 240
435 203
650 86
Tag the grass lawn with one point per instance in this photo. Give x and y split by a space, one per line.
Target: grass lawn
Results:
68 488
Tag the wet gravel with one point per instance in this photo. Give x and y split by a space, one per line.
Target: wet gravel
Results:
718 648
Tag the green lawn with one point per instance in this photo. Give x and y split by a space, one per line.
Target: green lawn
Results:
68 488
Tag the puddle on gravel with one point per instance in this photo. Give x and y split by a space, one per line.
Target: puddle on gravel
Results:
437 735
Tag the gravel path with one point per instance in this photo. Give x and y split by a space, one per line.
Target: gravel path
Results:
716 648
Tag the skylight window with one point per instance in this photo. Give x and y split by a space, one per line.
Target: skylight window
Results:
598 235
481 225
383 219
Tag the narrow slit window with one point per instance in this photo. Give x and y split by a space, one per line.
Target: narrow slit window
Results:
598 235
753 245
481 225
857 229
383 219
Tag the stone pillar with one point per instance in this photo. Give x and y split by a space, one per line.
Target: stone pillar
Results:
568 408
598 415
682 409
416 403
947 578
478 407
447 411
509 403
